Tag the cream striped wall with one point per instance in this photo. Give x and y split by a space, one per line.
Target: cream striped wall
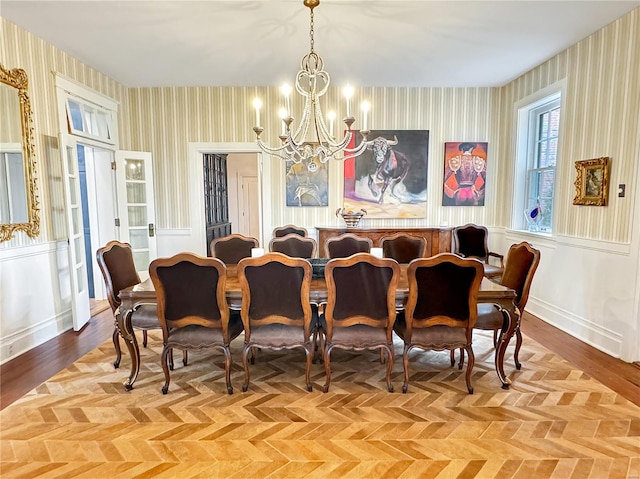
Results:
602 114
20 49
165 120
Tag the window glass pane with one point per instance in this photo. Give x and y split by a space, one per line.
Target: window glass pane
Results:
102 125
139 239
75 219
80 274
544 126
137 215
75 112
135 170
555 122
89 119
77 244
72 191
136 193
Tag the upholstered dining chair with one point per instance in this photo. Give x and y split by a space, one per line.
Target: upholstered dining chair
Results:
441 309
232 248
294 245
360 309
115 260
403 248
345 245
522 263
276 311
192 308
285 230
471 241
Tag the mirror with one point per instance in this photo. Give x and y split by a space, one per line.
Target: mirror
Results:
19 205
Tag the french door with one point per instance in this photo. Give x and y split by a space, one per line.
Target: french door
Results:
75 230
136 206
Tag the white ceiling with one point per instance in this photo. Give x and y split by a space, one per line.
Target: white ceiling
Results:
363 42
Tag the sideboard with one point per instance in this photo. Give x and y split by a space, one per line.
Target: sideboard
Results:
438 239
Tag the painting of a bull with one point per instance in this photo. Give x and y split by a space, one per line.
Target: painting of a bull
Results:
391 173
390 167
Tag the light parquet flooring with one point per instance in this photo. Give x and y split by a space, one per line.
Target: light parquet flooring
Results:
555 421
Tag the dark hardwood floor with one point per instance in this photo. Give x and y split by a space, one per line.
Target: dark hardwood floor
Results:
20 375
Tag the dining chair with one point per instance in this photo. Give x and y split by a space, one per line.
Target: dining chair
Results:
115 260
232 248
192 308
294 245
403 247
281 231
346 244
470 241
360 309
441 309
522 263
276 311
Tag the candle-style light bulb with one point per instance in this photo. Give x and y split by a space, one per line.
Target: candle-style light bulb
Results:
257 104
348 93
331 116
365 111
283 114
286 91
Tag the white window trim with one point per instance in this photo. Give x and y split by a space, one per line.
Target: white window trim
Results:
72 90
522 109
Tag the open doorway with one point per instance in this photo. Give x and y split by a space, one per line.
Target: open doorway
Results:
260 170
244 194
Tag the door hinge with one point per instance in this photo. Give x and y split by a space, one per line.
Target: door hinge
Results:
117 222
113 165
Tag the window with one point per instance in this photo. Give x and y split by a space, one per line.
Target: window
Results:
89 121
539 128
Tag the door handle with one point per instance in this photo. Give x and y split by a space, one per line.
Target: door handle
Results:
152 230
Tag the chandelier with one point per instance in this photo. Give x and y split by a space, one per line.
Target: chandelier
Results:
312 138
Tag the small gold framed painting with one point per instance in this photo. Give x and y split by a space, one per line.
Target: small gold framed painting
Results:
592 182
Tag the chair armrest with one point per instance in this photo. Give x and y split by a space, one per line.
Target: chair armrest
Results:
496 255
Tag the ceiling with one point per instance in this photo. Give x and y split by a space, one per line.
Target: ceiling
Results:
417 43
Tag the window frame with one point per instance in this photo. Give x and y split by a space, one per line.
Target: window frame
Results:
527 112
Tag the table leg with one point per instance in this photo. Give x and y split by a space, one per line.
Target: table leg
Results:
123 323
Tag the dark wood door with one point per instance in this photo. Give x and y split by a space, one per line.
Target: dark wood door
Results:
216 199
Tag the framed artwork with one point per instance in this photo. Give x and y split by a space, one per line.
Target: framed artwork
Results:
307 182
389 180
592 182
465 173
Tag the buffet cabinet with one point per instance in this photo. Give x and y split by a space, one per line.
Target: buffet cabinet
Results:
438 239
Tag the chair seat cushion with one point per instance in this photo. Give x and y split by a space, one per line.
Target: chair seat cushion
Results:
145 317
434 337
359 336
492 270
277 335
200 337
489 317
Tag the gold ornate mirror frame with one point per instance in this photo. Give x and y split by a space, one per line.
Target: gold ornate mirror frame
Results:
17 78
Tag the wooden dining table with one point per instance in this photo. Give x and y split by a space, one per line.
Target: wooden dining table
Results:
144 293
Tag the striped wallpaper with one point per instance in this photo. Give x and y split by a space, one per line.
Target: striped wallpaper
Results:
20 49
600 120
167 119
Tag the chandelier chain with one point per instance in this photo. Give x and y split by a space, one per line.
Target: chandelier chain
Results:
311 31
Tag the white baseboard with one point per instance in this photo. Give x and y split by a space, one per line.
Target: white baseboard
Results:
22 341
601 338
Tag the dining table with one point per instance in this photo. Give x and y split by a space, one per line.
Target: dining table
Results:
144 293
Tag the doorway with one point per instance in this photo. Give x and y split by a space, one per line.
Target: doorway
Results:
262 169
244 194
